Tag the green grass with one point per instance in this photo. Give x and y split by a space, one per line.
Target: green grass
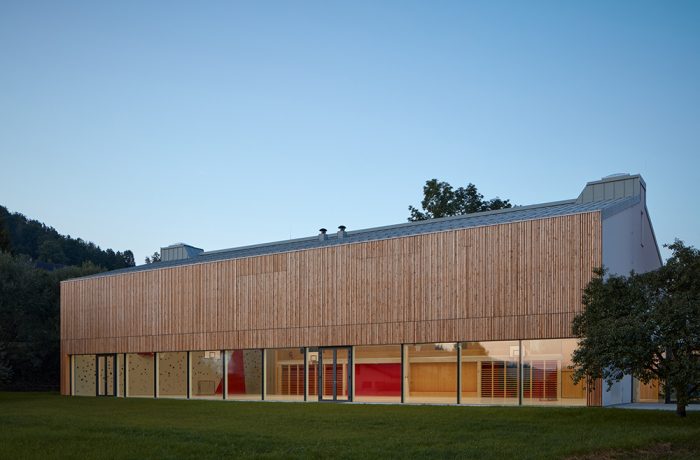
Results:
51 426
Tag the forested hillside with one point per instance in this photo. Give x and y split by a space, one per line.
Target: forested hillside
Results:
34 259
43 243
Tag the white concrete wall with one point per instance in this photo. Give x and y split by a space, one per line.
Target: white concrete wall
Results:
628 244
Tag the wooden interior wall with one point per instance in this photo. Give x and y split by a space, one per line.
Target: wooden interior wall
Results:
519 280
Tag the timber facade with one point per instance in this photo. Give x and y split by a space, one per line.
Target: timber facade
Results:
475 309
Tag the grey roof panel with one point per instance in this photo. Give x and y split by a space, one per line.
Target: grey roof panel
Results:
481 219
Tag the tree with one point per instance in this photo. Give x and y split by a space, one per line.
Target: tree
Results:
154 258
645 325
128 257
441 200
5 244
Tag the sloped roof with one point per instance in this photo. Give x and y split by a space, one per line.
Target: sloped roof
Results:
481 219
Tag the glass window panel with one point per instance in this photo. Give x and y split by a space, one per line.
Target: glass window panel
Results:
377 373
140 375
284 374
84 377
546 373
110 370
172 375
207 374
335 379
431 373
650 392
312 374
101 381
490 372
120 375
244 374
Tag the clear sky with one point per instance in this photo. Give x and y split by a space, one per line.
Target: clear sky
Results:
139 124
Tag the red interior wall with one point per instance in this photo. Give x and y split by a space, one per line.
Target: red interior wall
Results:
378 379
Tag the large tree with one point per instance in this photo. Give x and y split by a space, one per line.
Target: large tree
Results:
645 325
440 199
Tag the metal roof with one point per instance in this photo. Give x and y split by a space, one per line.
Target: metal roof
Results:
481 219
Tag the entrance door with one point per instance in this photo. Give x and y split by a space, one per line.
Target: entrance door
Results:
106 375
335 374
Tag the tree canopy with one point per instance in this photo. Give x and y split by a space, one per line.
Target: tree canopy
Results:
645 325
153 259
440 199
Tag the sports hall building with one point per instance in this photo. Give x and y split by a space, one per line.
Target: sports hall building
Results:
473 309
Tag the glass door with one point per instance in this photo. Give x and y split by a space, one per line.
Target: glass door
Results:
106 375
335 374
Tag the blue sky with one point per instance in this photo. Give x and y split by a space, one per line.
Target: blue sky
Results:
138 124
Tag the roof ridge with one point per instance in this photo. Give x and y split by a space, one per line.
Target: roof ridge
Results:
479 219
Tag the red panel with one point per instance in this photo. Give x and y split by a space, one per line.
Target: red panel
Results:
378 379
236 374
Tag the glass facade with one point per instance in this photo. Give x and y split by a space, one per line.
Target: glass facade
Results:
140 375
244 374
529 372
172 375
377 373
547 371
207 374
650 392
284 374
490 372
84 377
430 370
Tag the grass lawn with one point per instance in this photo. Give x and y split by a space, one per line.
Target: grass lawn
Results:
34 425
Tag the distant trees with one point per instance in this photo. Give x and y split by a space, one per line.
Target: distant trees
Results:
153 259
440 199
20 235
645 325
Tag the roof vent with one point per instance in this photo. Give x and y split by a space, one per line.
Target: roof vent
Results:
614 186
322 234
179 251
341 231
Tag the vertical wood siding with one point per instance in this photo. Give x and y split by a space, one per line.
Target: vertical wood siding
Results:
520 280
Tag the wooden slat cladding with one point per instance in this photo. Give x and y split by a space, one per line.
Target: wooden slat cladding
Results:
511 281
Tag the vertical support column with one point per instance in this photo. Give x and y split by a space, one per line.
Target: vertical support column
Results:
126 370
520 372
115 375
319 374
306 373
459 372
97 375
155 375
71 381
404 376
224 361
351 370
262 374
189 376
335 374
